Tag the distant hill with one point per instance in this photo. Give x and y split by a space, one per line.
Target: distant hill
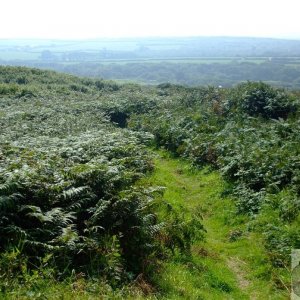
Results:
191 61
102 49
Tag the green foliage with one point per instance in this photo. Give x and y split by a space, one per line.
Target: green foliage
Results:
260 99
67 183
69 189
250 133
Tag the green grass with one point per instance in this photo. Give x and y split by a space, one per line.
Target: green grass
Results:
231 262
79 289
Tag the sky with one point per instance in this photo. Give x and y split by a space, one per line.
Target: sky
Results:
86 19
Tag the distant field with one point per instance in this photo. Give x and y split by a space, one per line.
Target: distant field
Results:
19 55
36 56
295 63
191 60
7 55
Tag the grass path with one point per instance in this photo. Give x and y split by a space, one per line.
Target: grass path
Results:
230 263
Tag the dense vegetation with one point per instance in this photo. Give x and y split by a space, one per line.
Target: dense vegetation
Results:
68 195
251 134
73 152
202 72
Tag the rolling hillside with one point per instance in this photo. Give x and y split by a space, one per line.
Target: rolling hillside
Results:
128 191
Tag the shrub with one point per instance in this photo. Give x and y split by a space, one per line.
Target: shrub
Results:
260 99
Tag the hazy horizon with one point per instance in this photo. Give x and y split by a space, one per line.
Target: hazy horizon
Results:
145 37
92 19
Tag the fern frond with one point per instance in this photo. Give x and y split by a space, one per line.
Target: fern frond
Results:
74 192
9 188
157 228
39 245
16 231
82 202
59 216
8 202
68 238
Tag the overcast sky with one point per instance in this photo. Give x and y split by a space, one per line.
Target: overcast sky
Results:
132 18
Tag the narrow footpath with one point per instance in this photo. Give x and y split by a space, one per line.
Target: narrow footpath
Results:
230 263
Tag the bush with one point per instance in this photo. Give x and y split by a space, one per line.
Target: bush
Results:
260 99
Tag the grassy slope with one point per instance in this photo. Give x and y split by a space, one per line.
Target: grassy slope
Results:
220 268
